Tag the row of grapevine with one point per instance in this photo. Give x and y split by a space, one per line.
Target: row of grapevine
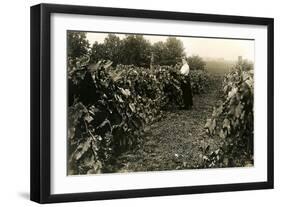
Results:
232 121
199 81
110 106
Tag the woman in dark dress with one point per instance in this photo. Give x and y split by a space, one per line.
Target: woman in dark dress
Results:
186 85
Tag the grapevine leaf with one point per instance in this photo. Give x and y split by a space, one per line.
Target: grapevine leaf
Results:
81 149
226 124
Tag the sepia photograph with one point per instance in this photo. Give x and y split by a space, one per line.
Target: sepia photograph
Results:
143 102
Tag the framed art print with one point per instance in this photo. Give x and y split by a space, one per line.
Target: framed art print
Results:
133 103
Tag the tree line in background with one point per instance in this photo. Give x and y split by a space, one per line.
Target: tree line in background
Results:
131 50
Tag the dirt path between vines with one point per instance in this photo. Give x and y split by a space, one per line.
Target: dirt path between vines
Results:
173 142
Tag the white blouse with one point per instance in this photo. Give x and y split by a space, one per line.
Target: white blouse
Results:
185 69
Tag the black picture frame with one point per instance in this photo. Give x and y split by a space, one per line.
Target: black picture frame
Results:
40 102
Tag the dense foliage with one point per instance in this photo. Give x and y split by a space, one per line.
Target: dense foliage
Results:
109 108
77 47
138 51
199 81
195 62
169 52
232 121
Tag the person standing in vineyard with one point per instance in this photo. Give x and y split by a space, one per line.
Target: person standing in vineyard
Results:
186 86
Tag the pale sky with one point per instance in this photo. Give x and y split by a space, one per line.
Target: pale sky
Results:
228 49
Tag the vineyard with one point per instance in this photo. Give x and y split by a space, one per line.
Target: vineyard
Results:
232 121
119 116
